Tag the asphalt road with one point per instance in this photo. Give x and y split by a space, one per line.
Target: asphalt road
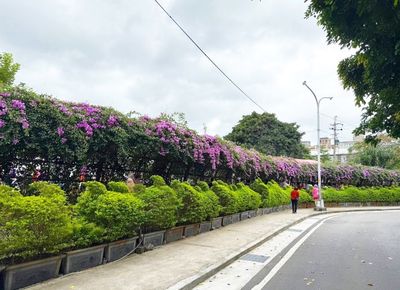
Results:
349 251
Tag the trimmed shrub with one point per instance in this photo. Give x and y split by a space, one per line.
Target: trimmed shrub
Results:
118 186
305 197
160 205
32 226
119 214
277 196
260 187
227 197
86 234
248 198
211 201
192 208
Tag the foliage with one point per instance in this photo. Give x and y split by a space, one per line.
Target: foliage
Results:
228 199
247 198
265 133
260 187
192 207
118 186
368 194
119 214
381 155
32 225
8 69
277 196
160 205
305 197
85 234
371 28
211 201
76 141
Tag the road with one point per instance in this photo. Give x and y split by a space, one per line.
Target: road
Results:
345 251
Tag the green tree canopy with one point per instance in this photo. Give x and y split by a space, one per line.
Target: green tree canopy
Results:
8 69
265 133
382 155
373 72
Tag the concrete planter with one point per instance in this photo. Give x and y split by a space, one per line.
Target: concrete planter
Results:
22 275
174 234
267 210
118 249
252 213
235 218
153 239
216 223
226 220
191 230
82 259
244 215
260 211
205 227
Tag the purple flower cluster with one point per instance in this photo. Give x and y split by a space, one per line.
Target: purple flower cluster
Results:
2 123
112 121
3 108
18 104
85 125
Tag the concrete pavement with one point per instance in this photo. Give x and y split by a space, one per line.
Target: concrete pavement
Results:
184 263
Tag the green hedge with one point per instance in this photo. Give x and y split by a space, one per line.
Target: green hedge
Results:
357 194
35 225
42 223
192 208
161 204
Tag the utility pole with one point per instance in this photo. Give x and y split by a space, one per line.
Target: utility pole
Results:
335 135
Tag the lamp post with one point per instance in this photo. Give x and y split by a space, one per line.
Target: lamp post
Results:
320 206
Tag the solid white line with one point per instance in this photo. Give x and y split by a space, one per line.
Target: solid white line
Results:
289 254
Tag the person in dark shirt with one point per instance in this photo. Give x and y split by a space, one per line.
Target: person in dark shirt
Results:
294 196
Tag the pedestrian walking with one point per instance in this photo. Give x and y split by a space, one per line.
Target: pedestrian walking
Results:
315 194
294 196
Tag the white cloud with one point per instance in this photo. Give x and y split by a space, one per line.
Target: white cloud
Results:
129 55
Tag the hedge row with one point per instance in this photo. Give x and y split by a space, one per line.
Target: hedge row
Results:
42 222
366 194
77 141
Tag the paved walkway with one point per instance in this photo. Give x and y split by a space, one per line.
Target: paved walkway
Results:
180 264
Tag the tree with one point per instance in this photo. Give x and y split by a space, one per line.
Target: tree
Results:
265 133
8 69
373 72
382 155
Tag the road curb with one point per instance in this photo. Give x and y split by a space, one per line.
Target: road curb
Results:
193 281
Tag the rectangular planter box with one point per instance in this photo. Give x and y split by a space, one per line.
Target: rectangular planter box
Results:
153 239
226 220
22 275
205 227
267 210
216 223
191 230
244 215
82 259
252 213
174 234
260 211
235 218
118 249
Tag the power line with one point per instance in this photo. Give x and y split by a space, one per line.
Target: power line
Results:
205 54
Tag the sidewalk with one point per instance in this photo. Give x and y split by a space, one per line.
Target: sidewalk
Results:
178 264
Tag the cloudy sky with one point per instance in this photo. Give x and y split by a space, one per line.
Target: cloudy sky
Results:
129 55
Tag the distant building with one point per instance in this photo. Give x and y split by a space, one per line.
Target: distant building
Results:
339 151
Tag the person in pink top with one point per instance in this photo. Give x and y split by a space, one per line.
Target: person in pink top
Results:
315 194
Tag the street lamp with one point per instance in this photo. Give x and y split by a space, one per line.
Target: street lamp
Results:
320 206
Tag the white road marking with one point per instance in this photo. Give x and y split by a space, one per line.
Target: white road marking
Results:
289 254
241 271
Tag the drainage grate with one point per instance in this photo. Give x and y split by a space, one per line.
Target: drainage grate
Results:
254 258
294 230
